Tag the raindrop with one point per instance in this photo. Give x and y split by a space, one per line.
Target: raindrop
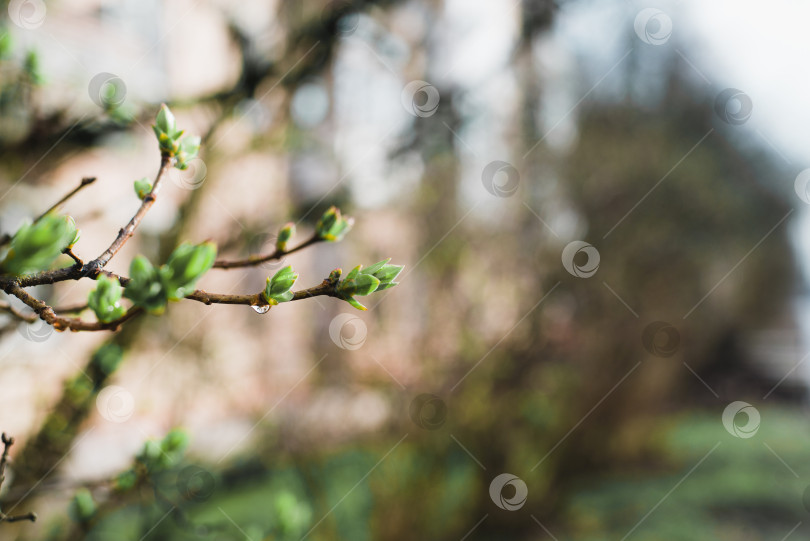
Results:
260 308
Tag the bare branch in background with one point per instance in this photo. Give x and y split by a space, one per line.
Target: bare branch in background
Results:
7 443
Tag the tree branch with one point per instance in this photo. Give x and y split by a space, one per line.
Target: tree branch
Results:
326 288
76 260
86 181
91 269
5 238
254 260
71 309
15 285
7 443
166 163
7 307
48 314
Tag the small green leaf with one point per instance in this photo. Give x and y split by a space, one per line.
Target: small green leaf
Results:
168 146
170 142
366 284
187 151
166 131
360 281
77 233
32 68
36 246
70 231
278 288
145 288
185 266
332 227
165 121
327 221
190 146
140 268
353 273
284 236
6 45
159 455
294 515
376 266
355 303
142 187
389 272
175 440
126 480
172 447
384 273
105 299
82 507
362 284
387 285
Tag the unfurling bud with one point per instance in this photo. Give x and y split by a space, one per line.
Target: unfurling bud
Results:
284 236
185 266
145 288
142 187
105 299
35 246
332 227
170 142
278 287
363 282
151 288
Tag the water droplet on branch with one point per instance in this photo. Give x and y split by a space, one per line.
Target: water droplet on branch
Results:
260 308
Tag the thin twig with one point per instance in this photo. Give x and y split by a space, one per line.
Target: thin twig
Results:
45 312
7 443
71 309
8 307
166 163
86 181
48 277
5 238
326 288
93 268
254 260
17 518
69 252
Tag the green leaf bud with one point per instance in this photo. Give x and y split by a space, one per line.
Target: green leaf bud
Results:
142 187
36 246
165 121
331 226
278 288
82 506
284 236
105 299
384 273
145 288
185 266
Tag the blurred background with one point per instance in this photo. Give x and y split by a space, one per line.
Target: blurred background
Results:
601 328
